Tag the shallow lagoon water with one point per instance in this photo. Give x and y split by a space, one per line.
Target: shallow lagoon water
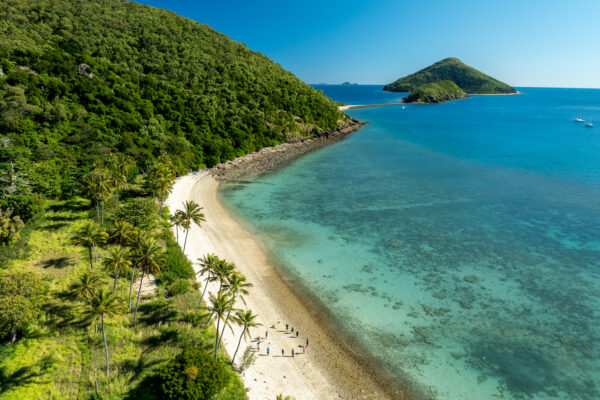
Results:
458 243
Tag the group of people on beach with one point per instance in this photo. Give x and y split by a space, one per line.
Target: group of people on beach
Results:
287 330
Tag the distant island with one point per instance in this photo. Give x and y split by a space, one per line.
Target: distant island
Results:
436 92
466 78
349 83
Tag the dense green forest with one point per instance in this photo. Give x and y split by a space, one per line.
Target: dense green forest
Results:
436 92
81 78
465 77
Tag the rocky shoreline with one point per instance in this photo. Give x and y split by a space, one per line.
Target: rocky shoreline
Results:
271 158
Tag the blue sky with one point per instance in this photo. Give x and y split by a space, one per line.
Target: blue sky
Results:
524 43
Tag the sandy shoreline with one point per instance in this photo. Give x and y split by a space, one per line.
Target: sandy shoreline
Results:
354 106
327 370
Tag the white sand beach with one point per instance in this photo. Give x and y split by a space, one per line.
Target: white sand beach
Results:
325 370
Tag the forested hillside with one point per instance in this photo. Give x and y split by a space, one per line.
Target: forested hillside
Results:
467 78
82 77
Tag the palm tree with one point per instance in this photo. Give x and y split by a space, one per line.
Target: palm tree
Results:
236 286
219 305
247 320
102 304
207 264
86 286
93 192
222 272
99 179
115 262
176 220
120 234
135 241
119 165
91 237
164 186
191 213
149 259
160 178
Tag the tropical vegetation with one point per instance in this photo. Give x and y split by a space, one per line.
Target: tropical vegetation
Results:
465 77
102 106
435 92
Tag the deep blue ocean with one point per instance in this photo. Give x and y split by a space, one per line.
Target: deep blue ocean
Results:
458 243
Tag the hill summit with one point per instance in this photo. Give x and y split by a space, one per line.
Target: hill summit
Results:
465 77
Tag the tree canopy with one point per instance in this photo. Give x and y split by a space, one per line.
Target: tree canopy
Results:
436 92
81 79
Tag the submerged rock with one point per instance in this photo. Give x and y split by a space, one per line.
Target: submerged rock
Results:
471 279
440 295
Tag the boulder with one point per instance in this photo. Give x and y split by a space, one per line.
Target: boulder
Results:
84 70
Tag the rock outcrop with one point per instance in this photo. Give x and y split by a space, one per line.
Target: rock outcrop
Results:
84 70
271 158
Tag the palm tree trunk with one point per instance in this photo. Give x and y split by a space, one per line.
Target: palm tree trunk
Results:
224 326
91 261
102 214
118 267
13 334
105 345
202 297
217 337
97 211
238 346
131 286
185 242
137 302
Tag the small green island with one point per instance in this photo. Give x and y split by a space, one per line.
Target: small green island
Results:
436 92
432 84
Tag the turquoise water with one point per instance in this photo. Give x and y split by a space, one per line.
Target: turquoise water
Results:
459 243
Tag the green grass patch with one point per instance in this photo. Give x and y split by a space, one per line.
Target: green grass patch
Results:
59 357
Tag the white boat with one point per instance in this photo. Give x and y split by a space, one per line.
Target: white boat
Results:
578 119
589 125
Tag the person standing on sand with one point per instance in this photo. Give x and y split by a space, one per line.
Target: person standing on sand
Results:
292 329
266 334
303 349
286 327
292 352
282 353
306 342
297 333
268 351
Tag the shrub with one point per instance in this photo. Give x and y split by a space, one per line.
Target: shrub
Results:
21 301
141 213
194 318
175 268
192 375
180 286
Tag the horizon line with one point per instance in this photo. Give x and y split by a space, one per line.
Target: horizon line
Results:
516 86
